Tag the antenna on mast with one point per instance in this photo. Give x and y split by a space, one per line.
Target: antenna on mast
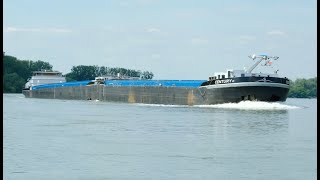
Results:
261 58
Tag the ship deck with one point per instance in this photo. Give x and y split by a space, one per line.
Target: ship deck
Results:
165 83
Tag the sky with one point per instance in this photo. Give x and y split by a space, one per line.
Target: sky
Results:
174 39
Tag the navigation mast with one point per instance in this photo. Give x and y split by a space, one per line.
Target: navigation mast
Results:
261 58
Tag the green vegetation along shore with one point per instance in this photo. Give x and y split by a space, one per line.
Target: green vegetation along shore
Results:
16 72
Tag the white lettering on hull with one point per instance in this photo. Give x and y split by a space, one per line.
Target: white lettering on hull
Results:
224 81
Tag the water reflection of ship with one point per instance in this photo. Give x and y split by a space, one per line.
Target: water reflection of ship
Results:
252 122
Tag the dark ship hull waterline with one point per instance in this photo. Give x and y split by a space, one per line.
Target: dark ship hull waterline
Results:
230 87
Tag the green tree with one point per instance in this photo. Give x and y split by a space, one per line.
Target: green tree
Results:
16 72
147 75
82 72
303 88
13 83
39 65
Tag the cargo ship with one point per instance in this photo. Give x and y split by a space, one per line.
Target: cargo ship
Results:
231 86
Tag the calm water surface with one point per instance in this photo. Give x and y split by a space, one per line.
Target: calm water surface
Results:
77 140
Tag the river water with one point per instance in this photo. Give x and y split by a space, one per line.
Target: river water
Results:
77 140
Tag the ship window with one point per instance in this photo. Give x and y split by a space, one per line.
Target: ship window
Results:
218 76
242 75
223 76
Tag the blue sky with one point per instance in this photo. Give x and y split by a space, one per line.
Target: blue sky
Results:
182 39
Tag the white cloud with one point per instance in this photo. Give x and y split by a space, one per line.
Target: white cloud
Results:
14 29
127 3
245 39
146 2
155 56
115 29
124 4
59 30
248 37
54 30
153 30
197 41
276 33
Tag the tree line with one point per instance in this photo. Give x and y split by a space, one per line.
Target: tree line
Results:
17 72
83 72
303 88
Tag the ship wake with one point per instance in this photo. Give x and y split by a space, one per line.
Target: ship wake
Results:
243 105
252 105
